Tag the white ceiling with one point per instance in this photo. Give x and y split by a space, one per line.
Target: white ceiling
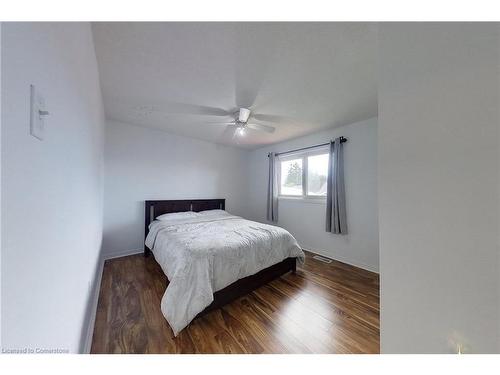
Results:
310 76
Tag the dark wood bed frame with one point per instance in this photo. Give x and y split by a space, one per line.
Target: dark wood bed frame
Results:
237 289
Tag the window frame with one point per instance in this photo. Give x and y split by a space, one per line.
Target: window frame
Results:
303 155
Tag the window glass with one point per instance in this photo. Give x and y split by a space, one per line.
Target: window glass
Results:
291 177
317 172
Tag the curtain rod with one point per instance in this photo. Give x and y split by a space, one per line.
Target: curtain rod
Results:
342 140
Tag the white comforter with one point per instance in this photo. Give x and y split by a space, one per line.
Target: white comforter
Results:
202 255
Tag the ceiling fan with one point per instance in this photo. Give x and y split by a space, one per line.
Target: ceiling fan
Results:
241 123
244 118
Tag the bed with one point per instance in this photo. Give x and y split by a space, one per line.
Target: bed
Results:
211 257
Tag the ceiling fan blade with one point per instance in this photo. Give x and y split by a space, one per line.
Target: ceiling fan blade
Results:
265 128
252 64
184 109
213 123
245 97
220 123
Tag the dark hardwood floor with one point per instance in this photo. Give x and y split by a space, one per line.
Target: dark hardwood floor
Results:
323 308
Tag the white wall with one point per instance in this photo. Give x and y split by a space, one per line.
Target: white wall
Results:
438 187
143 164
498 213
306 220
0 183
51 189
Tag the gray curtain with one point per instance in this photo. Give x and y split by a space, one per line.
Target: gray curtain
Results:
272 190
336 220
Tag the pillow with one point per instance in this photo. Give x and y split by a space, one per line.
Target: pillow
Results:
214 213
177 215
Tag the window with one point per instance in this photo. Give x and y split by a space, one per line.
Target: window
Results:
303 175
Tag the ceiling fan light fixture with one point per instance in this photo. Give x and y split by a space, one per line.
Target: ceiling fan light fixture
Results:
244 115
241 131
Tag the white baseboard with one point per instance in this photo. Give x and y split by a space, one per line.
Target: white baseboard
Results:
119 254
340 259
93 309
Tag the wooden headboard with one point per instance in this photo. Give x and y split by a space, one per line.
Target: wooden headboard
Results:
153 209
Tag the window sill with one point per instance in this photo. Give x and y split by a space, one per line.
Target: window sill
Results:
303 200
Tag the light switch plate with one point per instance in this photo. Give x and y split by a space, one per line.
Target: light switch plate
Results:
37 122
